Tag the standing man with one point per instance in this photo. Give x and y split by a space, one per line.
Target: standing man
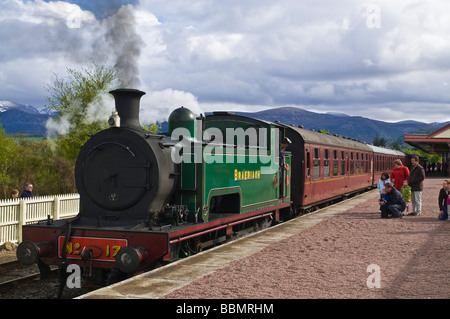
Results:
27 192
416 178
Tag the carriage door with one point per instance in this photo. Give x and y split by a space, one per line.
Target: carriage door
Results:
307 181
285 183
348 163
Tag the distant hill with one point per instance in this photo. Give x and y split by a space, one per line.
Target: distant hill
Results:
27 119
356 127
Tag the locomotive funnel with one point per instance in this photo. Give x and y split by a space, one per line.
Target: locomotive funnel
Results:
127 105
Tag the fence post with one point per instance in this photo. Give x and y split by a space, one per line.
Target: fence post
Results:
22 219
56 208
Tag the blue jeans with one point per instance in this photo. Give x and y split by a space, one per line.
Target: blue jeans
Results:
444 216
394 209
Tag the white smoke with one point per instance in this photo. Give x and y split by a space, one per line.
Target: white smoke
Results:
100 108
58 126
116 40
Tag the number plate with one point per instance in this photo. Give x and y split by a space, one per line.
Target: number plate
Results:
103 249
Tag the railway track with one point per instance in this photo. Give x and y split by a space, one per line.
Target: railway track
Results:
19 282
11 273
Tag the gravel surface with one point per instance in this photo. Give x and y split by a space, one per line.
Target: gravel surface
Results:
355 254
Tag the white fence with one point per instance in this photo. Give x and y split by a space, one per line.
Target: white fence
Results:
17 212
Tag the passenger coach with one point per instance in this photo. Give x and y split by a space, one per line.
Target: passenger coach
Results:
326 167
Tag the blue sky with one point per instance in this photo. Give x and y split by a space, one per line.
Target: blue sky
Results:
386 60
101 8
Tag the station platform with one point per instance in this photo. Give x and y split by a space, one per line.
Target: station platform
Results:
344 251
161 282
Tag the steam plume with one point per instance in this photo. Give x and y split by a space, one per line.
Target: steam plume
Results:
125 45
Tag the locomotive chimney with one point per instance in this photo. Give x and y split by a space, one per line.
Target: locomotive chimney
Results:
127 106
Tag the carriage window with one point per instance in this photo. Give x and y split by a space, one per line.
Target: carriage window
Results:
352 164
342 163
335 163
316 164
308 164
357 163
362 163
326 164
367 163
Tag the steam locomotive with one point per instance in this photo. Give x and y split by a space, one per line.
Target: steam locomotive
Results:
147 199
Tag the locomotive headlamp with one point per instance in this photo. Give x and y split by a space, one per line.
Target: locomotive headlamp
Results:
114 119
129 258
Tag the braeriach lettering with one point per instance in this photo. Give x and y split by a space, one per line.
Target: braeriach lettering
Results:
246 175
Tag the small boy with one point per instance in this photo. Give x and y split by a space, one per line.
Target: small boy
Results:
406 193
384 196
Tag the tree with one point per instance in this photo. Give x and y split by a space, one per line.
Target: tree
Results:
396 146
73 98
376 140
8 154
154 128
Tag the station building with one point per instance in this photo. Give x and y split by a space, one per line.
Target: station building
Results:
437 142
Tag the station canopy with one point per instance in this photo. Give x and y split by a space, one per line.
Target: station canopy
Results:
437 142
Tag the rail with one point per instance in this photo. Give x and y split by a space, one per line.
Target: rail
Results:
14 213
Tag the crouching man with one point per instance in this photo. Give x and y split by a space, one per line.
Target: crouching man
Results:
395 205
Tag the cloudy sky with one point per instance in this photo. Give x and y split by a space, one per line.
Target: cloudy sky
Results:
381 59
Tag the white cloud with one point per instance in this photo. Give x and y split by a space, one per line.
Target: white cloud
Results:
322 91
157 105
248 54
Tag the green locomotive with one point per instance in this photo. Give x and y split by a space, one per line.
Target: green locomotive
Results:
149 198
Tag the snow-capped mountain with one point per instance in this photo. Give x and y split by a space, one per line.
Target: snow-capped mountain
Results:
26 119
8 105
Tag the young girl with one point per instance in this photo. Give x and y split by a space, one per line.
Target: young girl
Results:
384 179
406 193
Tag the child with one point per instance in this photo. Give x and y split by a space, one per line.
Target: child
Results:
406 193
384 196
444 200
384 179
444 215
